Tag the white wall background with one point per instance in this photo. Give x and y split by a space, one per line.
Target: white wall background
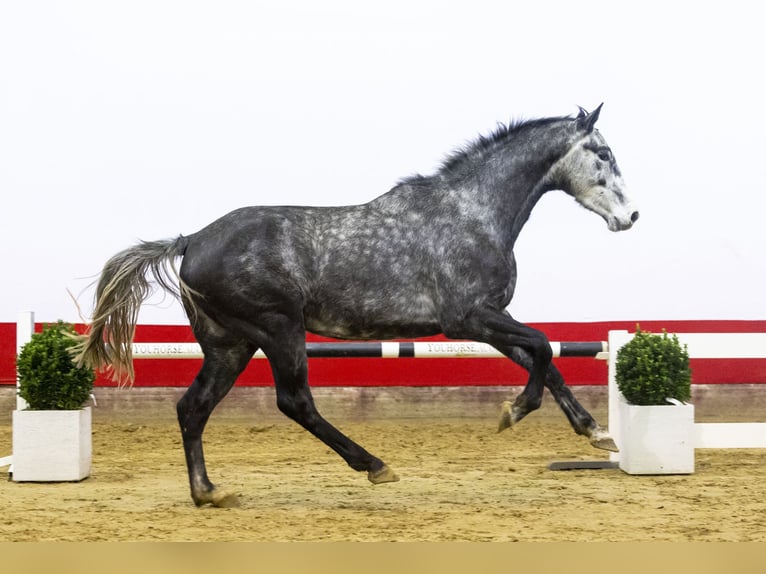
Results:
144 119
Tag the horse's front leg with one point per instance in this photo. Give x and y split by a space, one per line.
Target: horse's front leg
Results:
581 420
508 335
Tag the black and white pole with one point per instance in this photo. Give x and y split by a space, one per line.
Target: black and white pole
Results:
385 350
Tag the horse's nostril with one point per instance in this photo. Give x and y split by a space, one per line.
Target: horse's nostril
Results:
634 217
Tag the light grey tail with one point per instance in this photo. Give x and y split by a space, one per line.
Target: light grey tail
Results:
125 283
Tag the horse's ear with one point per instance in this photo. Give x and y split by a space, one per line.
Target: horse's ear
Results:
586 121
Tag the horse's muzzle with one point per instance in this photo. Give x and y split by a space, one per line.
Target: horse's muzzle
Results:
619 224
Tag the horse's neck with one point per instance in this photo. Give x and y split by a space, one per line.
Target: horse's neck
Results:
496 189
525 202
513 191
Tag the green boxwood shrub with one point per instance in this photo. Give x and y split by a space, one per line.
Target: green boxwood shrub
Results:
48 376
652 368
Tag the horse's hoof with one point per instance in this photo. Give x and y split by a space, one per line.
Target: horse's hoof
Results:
226 501
601 439
505 417
217 499
382 475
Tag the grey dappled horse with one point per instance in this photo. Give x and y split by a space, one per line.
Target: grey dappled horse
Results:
433 255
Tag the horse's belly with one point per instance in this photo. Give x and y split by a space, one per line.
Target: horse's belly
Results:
365 319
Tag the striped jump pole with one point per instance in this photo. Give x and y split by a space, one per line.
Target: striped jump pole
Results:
384 350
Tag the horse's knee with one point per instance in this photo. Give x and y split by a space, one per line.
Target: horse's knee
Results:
297 406
542 352
286 406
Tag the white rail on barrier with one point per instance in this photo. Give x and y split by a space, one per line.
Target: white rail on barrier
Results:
699 346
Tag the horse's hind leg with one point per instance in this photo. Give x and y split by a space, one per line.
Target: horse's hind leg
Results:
220 369
581 420
286 350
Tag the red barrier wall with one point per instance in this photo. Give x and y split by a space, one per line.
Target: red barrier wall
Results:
429 372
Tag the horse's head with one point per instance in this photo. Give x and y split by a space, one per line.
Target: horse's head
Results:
590 174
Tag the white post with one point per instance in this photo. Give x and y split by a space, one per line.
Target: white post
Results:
25 326
616 340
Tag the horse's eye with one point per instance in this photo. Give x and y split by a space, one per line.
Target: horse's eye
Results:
604 154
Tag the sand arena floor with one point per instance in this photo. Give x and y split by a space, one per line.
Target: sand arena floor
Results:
460 481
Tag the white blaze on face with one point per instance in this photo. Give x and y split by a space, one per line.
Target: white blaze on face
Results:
590 174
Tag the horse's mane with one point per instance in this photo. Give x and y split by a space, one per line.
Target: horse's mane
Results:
482 144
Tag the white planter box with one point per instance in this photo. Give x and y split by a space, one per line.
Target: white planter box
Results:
51 446
656 439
